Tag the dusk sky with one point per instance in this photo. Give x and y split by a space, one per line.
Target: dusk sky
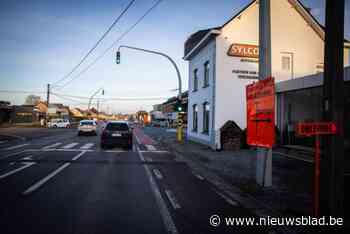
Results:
41 41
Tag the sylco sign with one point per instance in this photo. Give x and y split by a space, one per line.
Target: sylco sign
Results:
243 50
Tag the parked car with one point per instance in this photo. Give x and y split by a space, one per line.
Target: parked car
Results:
87 126
117 133
58 123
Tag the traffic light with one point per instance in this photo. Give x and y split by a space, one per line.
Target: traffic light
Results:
178 105
118 57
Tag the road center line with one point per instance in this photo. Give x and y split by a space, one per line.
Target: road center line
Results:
41 182
166 217
16 170
16 147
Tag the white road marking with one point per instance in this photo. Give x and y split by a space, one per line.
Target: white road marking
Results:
149 159
166 217
199 176
87 146
158 174
1 142
293 157
16 147
52 146
27 158
156 151
51 175
172 199
16 170
13 154
150 148
69 146
227 199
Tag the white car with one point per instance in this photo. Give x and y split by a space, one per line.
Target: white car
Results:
58 123
87 126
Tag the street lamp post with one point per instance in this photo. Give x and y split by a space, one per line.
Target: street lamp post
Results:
158 53
179 118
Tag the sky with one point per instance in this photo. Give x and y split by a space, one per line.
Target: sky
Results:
41 41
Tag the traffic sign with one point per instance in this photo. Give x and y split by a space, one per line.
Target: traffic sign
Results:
316 128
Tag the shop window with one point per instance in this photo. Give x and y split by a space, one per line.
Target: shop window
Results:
206 115
206 74
195 118
195 80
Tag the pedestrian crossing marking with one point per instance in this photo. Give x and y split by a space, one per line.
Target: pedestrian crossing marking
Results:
71 145
52 146
87 146
16 147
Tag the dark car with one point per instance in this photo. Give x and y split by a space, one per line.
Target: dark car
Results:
117 133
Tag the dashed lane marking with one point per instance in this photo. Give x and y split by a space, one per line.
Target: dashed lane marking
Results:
157 173
69 146
175 204
87 146
26 165
165 214
41 182
16 147
52 146
199 176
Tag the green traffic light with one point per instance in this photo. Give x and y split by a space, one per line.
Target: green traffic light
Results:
118 57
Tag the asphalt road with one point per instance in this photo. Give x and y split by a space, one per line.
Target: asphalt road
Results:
62 183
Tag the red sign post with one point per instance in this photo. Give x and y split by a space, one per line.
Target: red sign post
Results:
316 129
261 113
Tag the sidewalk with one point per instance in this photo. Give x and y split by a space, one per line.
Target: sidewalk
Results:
291 193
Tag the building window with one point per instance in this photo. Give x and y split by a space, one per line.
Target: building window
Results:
195 118
206 74
206 114
286 63
195 80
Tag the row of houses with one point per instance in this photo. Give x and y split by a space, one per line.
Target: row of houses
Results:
34 114
223 60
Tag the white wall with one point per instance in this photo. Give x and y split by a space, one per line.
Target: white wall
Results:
202 94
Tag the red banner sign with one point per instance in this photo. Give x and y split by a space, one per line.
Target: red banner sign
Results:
317 128
261 113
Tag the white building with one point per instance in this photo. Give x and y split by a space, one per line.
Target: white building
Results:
223 60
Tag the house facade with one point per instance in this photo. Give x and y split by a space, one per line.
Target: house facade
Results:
223 60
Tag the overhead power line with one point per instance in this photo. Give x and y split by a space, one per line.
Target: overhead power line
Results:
113 44
21 91
112 98
97 43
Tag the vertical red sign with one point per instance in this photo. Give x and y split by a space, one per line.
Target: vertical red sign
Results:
261 113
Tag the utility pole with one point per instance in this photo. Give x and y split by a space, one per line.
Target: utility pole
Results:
264 155
47 101
332 161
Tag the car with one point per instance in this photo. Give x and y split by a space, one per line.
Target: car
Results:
58 123
117 133
87 126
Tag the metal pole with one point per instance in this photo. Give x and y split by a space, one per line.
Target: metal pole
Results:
161 54
47 101
264 155
332 162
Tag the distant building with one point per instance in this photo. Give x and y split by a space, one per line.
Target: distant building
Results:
5 111
58 110
223 60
